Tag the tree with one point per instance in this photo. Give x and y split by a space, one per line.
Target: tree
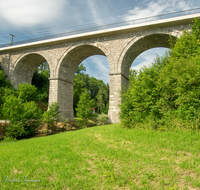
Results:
24 117
80 84
80 69
103 98
84 107
20 108
51 117
27 92
41 81
6 89
94 86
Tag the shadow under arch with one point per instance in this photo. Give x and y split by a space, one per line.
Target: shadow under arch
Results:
141 45
25 67
61 87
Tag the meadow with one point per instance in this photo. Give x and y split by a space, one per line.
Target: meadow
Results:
103 157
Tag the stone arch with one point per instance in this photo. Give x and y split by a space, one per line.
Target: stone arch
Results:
61 86
25 66
71 59
137 46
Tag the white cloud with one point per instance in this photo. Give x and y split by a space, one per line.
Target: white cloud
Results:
98 67
95 12
25 13
153 8
145 62
147 57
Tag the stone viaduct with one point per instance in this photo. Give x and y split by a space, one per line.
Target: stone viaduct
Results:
120 45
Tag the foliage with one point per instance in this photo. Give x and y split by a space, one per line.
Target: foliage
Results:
84 107
41 81
80 69
3 81
15 130
5 89
9 139
81 82
27 92
19 107
167 94
15 109
24 117
103 99
97 89
102 119
51 117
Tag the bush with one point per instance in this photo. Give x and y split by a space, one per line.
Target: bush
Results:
51 117
25 117
15 110
15 130
19 107
27 92
102 119
9 139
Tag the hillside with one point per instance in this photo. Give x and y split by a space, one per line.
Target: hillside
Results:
104 157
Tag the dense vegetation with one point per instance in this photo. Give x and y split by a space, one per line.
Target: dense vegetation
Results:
22 106
167 94
41 81
19 106
97 89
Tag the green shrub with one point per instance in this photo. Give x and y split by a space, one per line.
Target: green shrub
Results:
27 92
25 117
84 108
14 109
102 119
9 139
51 117
15 130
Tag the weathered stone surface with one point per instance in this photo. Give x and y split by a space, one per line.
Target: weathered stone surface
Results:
64 56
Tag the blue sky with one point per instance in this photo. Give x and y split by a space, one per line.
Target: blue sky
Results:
28 19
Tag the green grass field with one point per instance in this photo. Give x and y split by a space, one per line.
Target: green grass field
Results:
104 157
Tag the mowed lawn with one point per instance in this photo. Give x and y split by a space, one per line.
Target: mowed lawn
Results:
104 157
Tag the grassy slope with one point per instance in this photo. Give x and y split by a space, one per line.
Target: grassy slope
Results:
105 157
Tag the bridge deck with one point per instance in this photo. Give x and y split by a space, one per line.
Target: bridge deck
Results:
180 20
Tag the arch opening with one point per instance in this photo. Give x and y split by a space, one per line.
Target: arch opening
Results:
25 68
74 58
33 69
40 80
142 45
147 57
66 73
96 80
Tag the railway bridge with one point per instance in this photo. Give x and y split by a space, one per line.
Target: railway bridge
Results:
121 45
